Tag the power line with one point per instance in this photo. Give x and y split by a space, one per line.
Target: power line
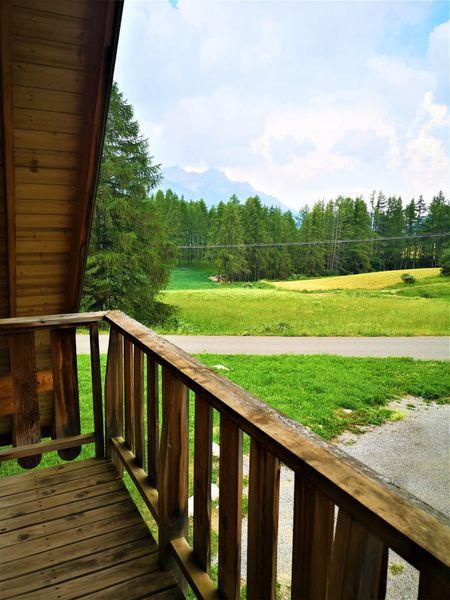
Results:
314 243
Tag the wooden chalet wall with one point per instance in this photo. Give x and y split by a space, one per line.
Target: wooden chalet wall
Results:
57 59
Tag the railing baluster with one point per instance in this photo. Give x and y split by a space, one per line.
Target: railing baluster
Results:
65 388
25 418
230 508
264 485
173 468
202 482
128 389
312 541
113 389
358 568
138 398
152 420
97 391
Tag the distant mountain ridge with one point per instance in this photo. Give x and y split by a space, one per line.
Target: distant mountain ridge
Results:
213 186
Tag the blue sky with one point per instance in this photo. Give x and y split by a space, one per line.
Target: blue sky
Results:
304 100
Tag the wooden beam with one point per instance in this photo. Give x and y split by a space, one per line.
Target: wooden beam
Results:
106 21
50 321
8 146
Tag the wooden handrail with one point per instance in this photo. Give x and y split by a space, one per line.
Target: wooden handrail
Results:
49 321
411 528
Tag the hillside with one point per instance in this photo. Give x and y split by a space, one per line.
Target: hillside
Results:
362 281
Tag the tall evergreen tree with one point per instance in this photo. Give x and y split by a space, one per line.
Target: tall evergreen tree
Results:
130 256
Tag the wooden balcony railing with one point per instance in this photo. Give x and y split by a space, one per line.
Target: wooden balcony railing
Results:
345 516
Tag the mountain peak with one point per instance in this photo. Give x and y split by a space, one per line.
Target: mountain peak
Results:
212 185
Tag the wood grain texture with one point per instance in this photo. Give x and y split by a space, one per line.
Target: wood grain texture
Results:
6 67
312 541
264 487
138 398
65 388
128 365
113 389
173 468
230 508
152 420
97 404
202 482
26 427
95 544
358 568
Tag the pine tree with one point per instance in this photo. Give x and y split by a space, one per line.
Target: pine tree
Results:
130 256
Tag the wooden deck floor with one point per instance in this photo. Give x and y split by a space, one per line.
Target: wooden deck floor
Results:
73 531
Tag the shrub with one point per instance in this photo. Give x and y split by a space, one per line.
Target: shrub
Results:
296 277
445 263
408 278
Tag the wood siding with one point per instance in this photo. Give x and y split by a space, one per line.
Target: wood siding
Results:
56 72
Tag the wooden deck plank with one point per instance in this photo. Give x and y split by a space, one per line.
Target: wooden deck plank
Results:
63 538
55 490
73 530
39 530
79 567
94 582
64 510
149 584
29 564
27 508
66 467
54 479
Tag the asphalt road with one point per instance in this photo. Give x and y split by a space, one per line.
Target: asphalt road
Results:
427 348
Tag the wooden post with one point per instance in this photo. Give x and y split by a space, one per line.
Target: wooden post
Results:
264 486
138 397
113 390
312 541
26 428
230 508
65 388
173 469
152 420
128 389
358 568
202 482
97 391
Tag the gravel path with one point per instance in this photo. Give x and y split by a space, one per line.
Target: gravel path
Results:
427 348
412 453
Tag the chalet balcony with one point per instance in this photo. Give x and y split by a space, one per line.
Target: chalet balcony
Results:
73 530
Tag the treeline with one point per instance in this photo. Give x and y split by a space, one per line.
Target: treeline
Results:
327 224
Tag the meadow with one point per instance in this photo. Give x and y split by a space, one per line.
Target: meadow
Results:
329 394
370 304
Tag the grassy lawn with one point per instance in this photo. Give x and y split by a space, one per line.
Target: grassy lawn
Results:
276 312
191 277
329 394
366 304
362 281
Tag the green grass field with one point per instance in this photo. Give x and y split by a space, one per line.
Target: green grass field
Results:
398 309
314 390
192 277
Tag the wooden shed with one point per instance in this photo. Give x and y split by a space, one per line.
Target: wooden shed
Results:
73 530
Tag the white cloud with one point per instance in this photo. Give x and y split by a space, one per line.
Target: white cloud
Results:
302 99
